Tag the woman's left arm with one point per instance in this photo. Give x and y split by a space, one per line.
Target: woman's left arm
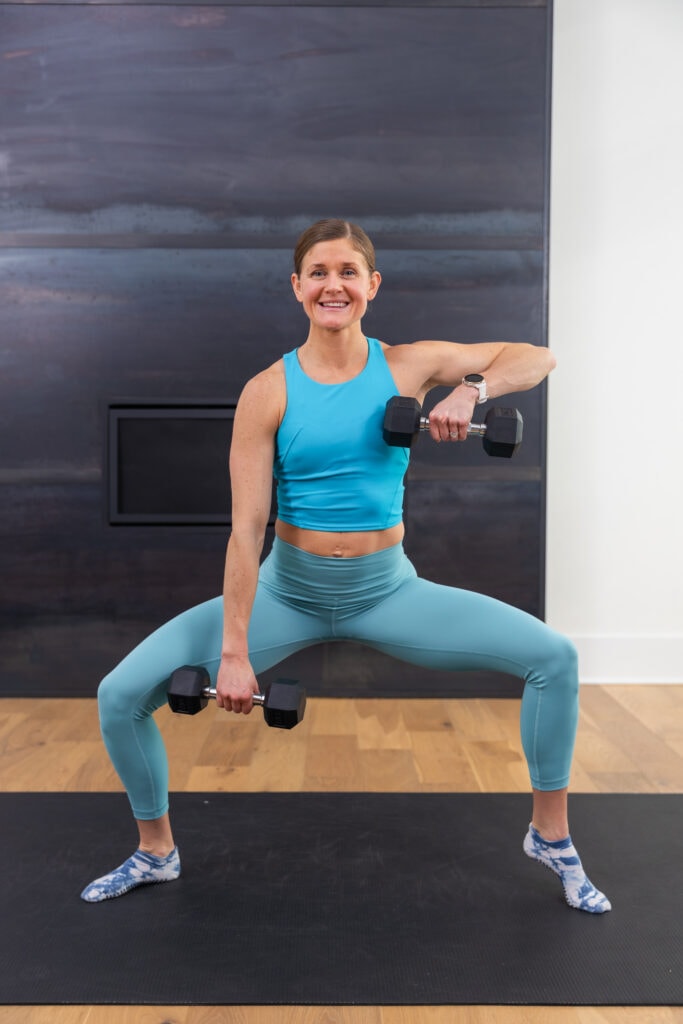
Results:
506 367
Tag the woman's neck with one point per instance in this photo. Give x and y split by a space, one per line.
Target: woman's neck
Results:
338 349
333 359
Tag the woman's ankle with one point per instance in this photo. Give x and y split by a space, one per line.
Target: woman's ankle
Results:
550 815
552 832
160 850
156 837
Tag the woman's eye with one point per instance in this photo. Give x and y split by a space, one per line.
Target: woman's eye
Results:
346 272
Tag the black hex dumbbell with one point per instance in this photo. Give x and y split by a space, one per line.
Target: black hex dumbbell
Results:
501 431
283 701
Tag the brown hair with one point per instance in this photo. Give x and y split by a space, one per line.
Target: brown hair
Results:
329 230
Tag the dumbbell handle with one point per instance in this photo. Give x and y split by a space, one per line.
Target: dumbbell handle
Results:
257 698
472 428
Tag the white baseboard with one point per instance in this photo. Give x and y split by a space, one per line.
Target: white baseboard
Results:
630 659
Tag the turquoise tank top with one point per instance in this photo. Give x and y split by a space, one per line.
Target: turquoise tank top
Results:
334 471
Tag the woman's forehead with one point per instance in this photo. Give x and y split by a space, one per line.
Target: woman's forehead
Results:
337 250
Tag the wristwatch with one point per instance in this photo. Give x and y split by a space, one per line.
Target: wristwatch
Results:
475 380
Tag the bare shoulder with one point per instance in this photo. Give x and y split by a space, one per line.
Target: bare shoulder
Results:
399 355
415 365
264 395
423 351
272 377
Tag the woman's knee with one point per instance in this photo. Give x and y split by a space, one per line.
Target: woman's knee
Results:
120 698
112 703
568 656
557 664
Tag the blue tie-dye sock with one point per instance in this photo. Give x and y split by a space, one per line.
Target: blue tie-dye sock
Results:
562 858
140 869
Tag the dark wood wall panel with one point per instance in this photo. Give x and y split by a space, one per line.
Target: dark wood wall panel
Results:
87 326
158 164
153 119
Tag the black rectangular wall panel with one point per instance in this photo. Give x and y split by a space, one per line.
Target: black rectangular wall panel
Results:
157 163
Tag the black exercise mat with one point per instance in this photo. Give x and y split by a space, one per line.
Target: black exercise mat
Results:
351 898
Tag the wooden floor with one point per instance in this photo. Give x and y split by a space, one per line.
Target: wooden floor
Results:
630 741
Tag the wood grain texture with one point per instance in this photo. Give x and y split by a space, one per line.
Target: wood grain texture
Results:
630 740
340 1015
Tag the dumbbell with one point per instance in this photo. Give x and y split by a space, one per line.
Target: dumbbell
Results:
283 701
501 431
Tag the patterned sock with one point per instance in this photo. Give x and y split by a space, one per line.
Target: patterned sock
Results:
562 858
140 869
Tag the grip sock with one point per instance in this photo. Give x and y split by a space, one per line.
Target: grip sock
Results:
140 869
561 857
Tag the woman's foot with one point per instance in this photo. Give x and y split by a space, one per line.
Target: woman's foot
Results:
561 857
140 869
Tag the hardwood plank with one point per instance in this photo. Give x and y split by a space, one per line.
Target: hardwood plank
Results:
478 718
340 1015
440 759
332 717
332 764
531 1015
428 715
388 771
381 725
468 745
659 707
598 751
581 780
624 738
499 767
46 767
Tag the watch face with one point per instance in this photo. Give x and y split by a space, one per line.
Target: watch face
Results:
474 378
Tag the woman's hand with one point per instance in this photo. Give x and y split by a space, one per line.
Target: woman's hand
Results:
235 685
449 419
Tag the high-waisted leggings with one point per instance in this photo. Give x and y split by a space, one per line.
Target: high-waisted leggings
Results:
377 599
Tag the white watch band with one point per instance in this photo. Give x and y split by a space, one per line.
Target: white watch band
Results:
480 388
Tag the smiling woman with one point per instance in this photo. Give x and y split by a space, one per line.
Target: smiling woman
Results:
334 286
335 275
337 569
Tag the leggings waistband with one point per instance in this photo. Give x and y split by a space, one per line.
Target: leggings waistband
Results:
317 581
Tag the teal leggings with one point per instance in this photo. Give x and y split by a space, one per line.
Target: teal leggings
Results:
378 600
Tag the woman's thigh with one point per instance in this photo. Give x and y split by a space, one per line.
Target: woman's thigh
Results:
195 638
448 628
445 628
277 630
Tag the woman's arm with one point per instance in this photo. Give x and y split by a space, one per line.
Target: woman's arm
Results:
507 367
257 417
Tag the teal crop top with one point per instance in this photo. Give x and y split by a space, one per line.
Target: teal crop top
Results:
334 471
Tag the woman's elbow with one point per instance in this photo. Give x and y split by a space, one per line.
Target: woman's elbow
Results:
550 359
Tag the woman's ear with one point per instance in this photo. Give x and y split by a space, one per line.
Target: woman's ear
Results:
375 282
296 286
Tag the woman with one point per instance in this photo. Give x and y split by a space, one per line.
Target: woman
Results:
337 569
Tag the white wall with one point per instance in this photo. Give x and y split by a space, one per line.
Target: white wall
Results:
615 429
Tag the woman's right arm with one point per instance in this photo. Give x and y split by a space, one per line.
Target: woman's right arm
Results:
257 418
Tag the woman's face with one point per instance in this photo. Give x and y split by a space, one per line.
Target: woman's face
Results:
335 284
